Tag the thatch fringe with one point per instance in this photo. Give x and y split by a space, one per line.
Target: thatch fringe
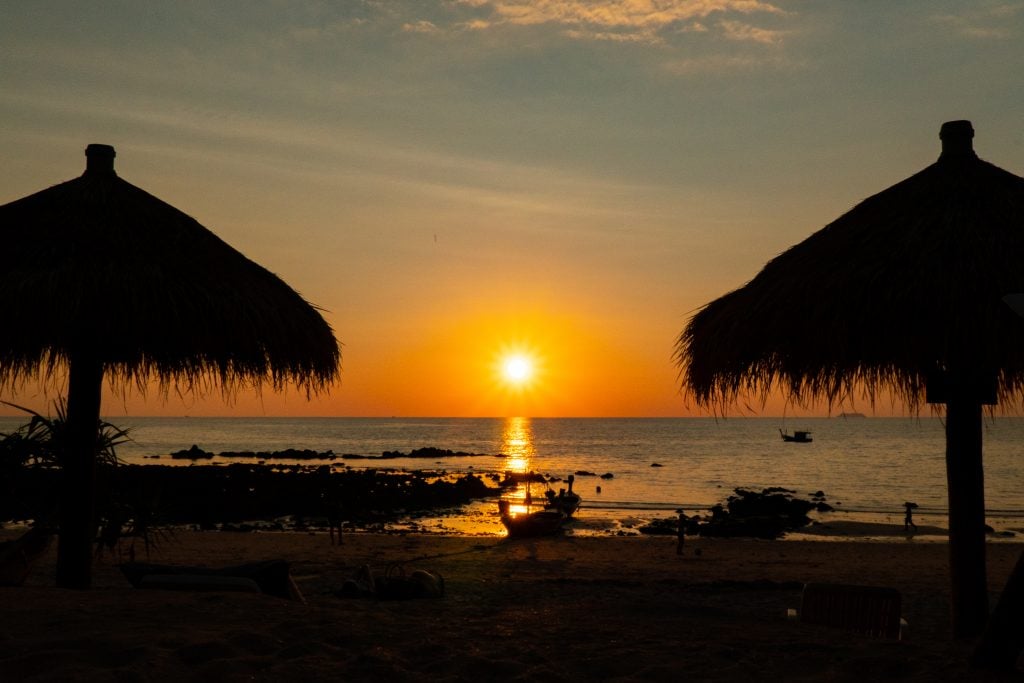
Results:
908 282
98 266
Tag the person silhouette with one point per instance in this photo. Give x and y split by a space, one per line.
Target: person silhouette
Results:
908 518
681 533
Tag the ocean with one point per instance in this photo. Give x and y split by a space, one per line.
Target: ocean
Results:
866 467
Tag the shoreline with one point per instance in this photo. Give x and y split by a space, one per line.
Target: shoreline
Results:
840 526
244 497
446 524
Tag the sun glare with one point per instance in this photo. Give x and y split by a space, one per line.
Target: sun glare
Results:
517 369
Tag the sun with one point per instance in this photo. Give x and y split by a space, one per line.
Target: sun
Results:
517 369
519 372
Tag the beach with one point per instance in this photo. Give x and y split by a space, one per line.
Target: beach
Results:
558 608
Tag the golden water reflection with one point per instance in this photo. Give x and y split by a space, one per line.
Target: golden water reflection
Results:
517 444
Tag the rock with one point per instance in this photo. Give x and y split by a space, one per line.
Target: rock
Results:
768 514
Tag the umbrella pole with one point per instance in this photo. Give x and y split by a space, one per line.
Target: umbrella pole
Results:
966 486
78 473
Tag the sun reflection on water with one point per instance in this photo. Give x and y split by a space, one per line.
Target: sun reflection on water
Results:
517 444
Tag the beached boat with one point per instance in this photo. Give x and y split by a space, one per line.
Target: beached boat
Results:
797 437
525 521
542 522
566 501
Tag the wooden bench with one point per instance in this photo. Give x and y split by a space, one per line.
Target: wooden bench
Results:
868 610
272 577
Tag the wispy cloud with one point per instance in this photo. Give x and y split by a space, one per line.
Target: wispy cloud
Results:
614 13
644 21
421 26
986 23
737 30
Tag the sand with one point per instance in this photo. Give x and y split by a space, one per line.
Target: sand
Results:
556 609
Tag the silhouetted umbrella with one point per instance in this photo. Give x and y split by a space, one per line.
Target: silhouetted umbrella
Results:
904 292
106 279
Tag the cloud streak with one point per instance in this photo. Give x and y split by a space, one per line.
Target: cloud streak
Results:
737 30
644 21
989 23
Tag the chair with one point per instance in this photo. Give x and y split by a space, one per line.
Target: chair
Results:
868 610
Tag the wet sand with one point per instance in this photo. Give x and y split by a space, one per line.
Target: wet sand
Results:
561 608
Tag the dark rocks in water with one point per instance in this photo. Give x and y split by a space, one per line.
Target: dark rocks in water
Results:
193 453
607 475
197 453
669 526
241 493
656 464
426 452
432 452
286 454
768 514
585 473
660 527
513 478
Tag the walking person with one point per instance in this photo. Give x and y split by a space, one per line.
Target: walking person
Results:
908 518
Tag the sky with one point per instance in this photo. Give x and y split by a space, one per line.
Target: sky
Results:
456 182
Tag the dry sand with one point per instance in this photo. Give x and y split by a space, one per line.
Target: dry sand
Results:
556 609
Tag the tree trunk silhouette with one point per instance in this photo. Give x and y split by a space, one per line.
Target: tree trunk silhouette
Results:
966 484
78 473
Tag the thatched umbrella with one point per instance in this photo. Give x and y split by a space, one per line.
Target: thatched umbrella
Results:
902 293
106 280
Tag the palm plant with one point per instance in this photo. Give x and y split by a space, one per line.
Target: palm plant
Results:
43 443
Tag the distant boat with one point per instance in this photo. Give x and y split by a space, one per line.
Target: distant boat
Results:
797 437
852 415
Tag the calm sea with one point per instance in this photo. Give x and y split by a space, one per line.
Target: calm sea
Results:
863 465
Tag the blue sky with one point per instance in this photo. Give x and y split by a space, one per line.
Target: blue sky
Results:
596 169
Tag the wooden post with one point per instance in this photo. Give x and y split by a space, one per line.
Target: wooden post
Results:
78 473
966 485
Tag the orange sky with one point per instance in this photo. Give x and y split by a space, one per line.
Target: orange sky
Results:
450 180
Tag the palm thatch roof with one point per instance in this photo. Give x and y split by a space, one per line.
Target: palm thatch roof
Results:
908 282
97 265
